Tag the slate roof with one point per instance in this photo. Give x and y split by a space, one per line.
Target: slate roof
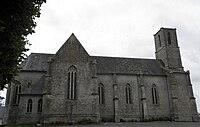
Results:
36 62
128 65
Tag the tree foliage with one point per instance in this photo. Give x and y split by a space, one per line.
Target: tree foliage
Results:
16 22
1 101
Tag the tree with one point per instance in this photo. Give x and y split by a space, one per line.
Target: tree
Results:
16 22
1 101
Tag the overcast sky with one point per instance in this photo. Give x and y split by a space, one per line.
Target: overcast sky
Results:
122 28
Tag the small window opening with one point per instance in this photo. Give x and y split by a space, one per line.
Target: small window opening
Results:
169 38
159 40
154 94
128 94
101 94
40 106
29 106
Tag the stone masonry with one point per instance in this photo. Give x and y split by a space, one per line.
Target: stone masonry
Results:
72 85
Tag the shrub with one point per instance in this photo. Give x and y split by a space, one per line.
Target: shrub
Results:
106 119
122 120
84 121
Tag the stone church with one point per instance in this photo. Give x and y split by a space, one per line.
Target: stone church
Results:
72 85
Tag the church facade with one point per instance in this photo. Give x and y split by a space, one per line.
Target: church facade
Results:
72 85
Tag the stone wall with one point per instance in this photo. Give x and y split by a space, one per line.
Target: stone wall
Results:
134 110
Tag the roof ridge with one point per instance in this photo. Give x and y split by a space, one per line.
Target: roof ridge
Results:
124 57
42 53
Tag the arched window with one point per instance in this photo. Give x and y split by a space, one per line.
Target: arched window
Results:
128 94
72 82
40 106
18 96
101 94
29 106
169 38
159 40
17 92
154 94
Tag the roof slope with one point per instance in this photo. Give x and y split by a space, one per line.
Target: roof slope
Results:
36 62
39 62
128 65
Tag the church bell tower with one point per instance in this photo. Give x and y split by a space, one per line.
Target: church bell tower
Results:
167 48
